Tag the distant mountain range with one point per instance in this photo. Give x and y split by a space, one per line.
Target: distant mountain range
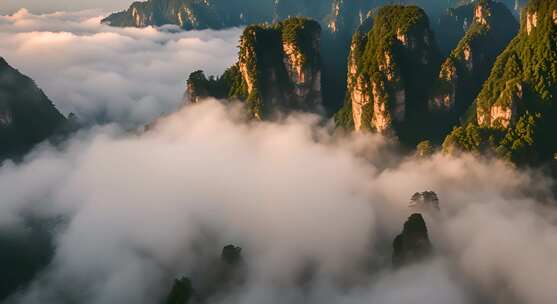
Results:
496 87
484 83
217 14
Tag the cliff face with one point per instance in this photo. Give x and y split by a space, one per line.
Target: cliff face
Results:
469 64
27 116
523 79
389 67
192 14
279 68
515 111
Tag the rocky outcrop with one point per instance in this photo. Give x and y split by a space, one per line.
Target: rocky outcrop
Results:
412 244
192 14
504 112
425 201
27 116
469 64
515 109
531 21
181 293
511 89
279 69
281 66
306 78
386 93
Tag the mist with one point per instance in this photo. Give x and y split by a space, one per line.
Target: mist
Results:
314 211
49 6
104 74
287 192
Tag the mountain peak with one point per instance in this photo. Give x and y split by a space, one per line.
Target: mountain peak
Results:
27 116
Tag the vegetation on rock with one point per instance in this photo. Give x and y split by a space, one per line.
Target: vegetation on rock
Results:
279 69
515 112
389 67
462 74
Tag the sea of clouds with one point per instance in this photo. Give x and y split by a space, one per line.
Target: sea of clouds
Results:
105 74
290 192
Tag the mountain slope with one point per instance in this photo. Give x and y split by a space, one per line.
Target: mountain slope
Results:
279 68
515 112
388 69
469 64
27 116
192 14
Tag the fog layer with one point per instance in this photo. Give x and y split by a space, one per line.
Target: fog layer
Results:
290 194
105 74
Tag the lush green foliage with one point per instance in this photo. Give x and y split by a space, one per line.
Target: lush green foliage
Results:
193 14
398 54
260 77
530 60
229 85
303 33
523 78
425 149
471 61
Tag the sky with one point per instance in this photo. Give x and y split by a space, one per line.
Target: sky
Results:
48 6
143 208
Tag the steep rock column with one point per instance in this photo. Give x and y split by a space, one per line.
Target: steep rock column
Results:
412 244
302 61
389 67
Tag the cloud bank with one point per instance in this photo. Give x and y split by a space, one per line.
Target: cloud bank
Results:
314 212
49 6
289 193
104 74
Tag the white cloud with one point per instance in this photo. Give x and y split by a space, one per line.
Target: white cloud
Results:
288 193
129 76
48 6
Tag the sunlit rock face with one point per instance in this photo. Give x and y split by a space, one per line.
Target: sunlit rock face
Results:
504 112
516 104
305 77
467 67
278 70
507 94
385 92
531 21
282 65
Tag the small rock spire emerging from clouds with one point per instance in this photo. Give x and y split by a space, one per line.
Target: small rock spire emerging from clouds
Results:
413 244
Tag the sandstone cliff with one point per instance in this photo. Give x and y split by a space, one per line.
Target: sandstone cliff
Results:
279 69
523 78
515 113
390 69
468 66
